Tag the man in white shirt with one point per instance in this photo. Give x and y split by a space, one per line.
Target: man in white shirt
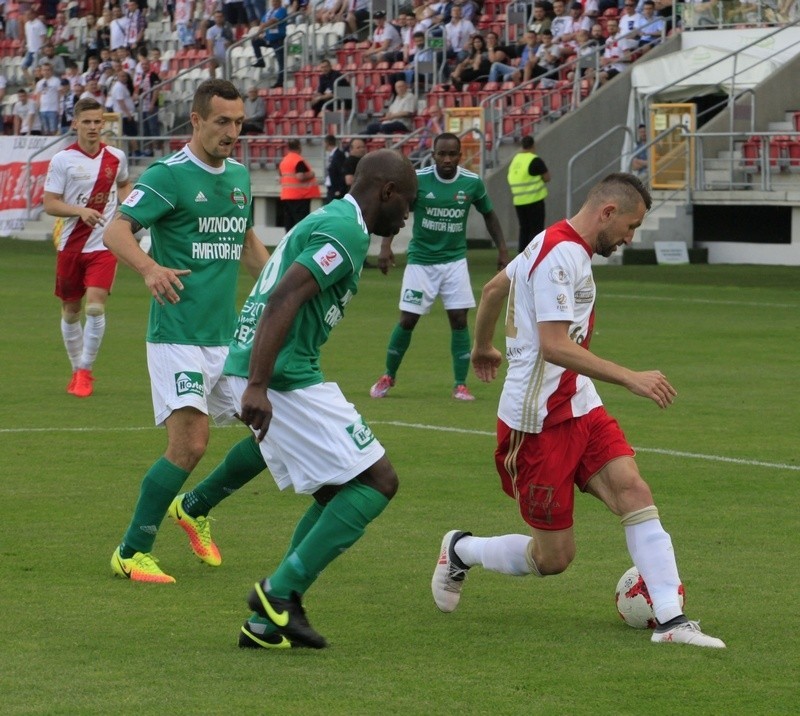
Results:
35 38
458 35
385 39
399 113
119 28
47 94
26 114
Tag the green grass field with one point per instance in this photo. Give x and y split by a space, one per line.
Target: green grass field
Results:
722 462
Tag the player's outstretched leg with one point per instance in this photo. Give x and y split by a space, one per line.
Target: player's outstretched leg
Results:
449 573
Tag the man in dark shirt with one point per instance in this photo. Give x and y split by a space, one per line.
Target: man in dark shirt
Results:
327 78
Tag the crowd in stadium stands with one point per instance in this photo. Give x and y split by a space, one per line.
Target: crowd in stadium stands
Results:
55 52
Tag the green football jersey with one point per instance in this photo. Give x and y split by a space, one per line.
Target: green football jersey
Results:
440 215
332 244
198 217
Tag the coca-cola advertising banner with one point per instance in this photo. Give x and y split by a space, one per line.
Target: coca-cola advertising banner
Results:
18 185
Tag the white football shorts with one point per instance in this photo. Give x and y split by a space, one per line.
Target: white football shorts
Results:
422 284
184 376
316 437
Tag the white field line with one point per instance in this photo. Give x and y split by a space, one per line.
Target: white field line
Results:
441 429
719 302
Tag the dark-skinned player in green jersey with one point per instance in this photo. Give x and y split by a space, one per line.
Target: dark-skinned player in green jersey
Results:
437 259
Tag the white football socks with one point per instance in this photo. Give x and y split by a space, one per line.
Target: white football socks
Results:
507 554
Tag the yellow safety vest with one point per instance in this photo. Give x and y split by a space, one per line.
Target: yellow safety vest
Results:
525 189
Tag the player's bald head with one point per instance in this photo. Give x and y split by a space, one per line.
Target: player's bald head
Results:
385 165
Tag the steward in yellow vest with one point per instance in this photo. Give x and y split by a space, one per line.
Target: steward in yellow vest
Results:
527 179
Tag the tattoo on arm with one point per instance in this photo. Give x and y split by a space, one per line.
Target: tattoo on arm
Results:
135 225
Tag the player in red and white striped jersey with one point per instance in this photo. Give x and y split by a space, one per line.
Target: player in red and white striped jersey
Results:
553 431
84 184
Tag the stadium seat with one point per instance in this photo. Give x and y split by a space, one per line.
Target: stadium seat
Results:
751 155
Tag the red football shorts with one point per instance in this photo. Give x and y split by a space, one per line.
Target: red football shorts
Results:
539 470
75 272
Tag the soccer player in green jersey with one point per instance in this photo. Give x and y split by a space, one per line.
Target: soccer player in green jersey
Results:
437 259
311 438
198 207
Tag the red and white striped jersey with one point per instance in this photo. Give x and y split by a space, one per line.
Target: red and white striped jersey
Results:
82 180
550 281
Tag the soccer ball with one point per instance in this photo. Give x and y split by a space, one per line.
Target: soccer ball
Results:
633 601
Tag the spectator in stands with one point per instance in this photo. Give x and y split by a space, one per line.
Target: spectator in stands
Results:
26 114
137 24
73 77
506 72
356 150
629 20
335 187
616 56
47 95
121 98
219 37
325 83
50 57
298 186
427 19
102 32
35 39
94 92
62 35
357 14
561 22
159 65
105 59
183 22
650 28
273 25
458 35
385 39
66 108
544 62
474 68
497 52
327 11
3 86
92 71
577 21
399 113
255 112
126 60
405 27
119 28
539 20
146 95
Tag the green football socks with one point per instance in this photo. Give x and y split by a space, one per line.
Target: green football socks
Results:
460 350
398 345
160 485
242 463
259 624
341 524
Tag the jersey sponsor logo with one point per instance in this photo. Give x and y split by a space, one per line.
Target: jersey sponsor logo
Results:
189 382
225 251
412 297
133 198
333 315
558 275
221 224
328 258
239 198
200 197
461 197
360 433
